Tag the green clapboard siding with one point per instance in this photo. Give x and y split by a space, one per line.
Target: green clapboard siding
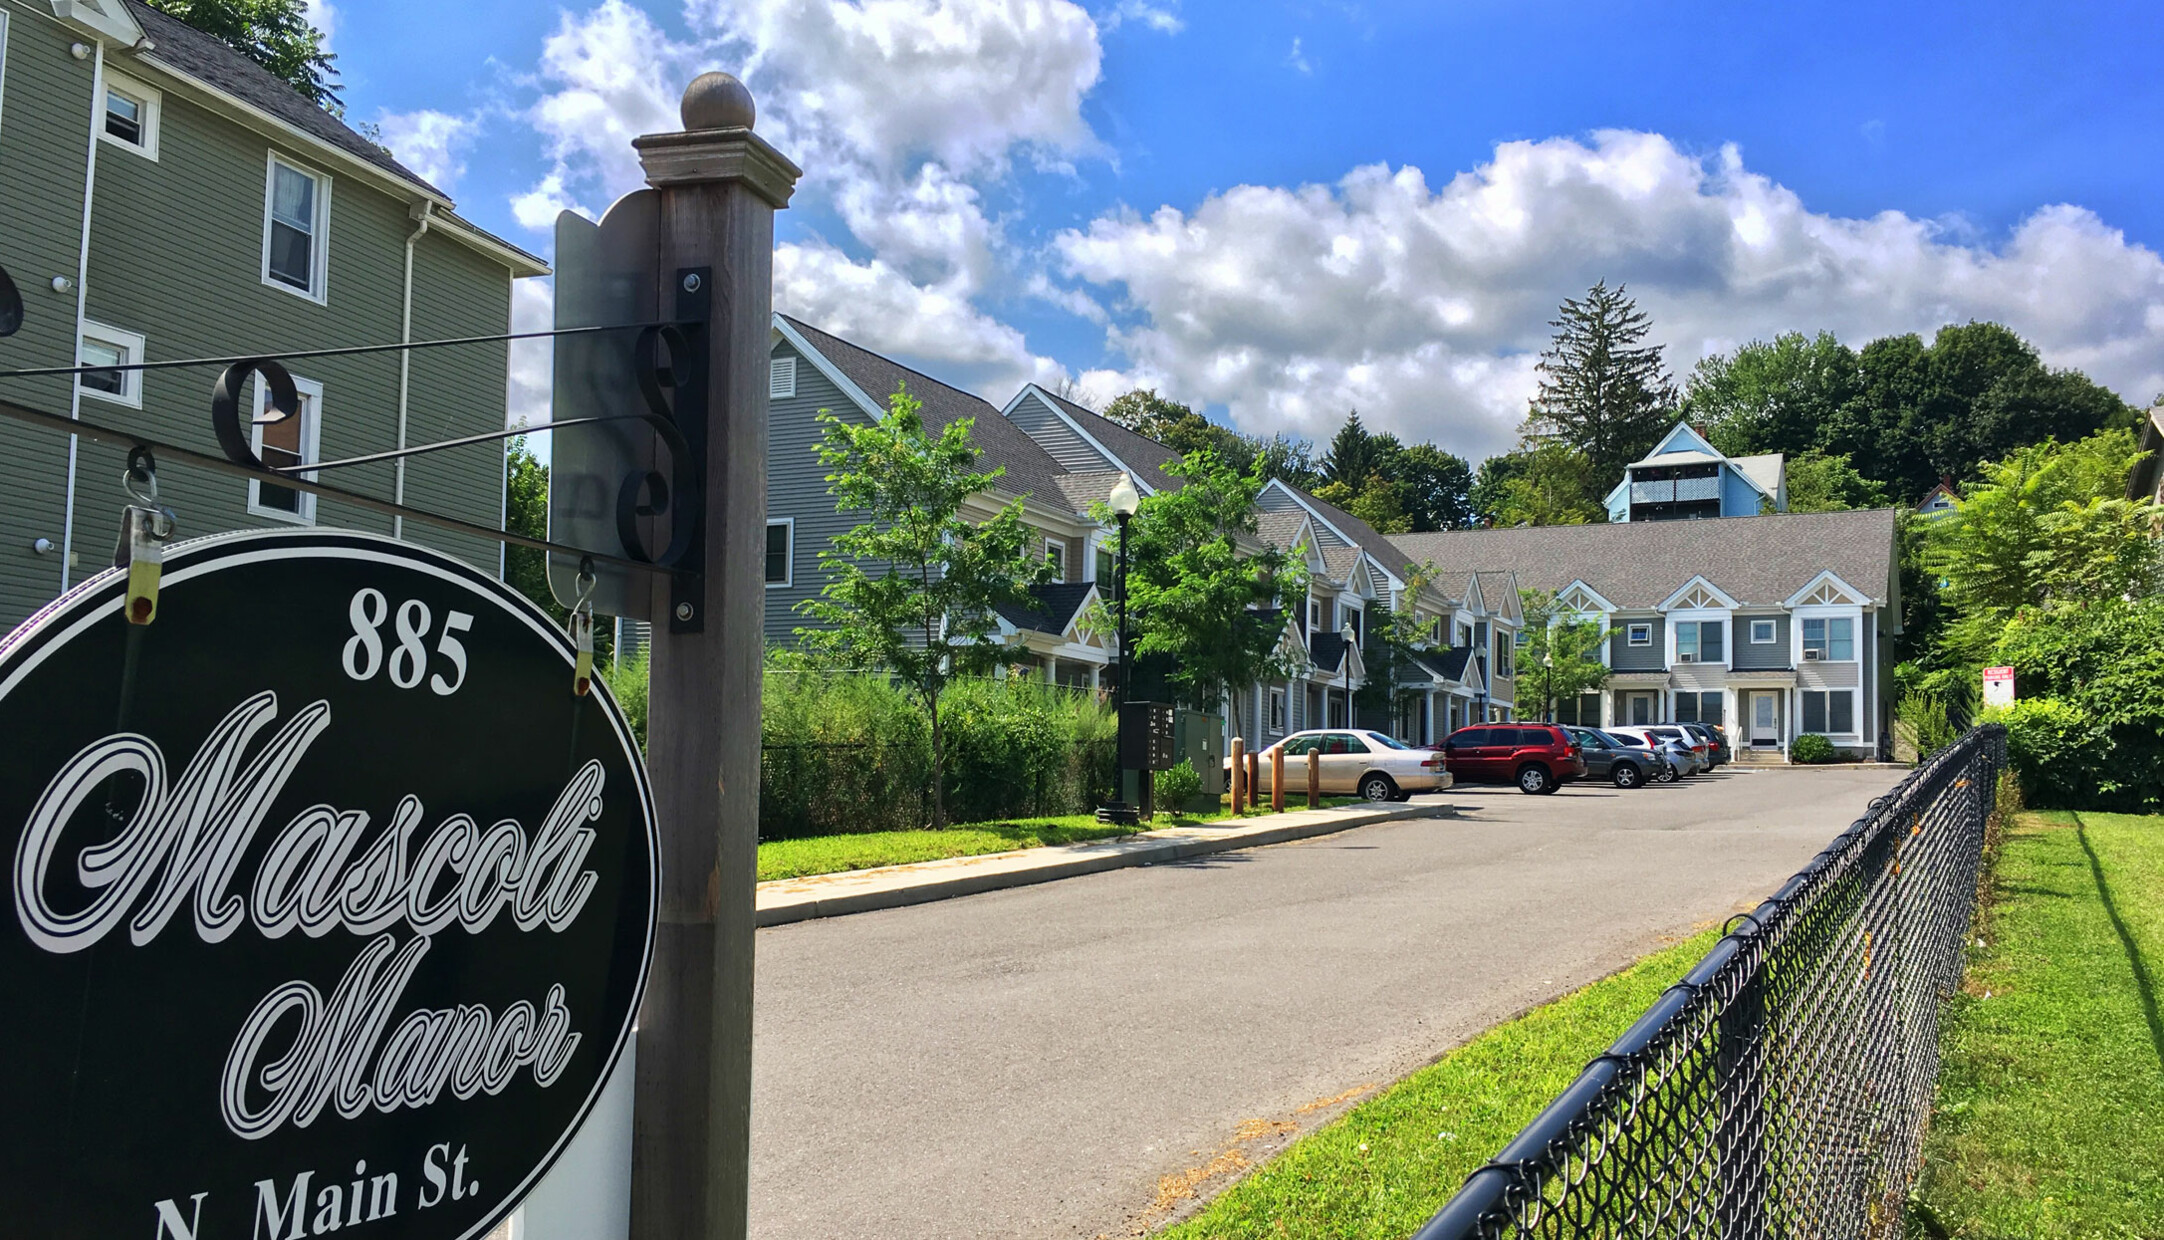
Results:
176 254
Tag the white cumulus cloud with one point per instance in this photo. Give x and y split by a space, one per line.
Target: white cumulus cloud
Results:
1424 307
431 143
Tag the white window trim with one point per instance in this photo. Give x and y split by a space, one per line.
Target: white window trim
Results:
319 264
1060 545
778 388
788 554
1631 631
1828 612
311 448
153 101
1278 719
1855 712
131 381
3 62
1702 616
1773 630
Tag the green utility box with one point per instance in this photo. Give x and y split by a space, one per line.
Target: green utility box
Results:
1199 737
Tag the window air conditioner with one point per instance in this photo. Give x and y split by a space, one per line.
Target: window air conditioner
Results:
1686 658
1811 655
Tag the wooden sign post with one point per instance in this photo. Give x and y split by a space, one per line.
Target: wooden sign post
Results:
720 185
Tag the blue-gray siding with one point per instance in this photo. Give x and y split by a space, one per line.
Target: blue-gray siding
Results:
1749 657
1624 657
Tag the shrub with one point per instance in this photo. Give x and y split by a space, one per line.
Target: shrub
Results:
847 752
2061 753
626 679
1811 749
1176 788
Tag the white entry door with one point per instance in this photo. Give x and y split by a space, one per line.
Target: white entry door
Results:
1765 719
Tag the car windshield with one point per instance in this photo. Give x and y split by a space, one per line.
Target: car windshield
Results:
1388 742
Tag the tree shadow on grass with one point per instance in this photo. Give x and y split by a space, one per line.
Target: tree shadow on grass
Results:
2142 981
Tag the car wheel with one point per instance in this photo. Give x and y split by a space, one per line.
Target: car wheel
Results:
1667 776
1628 776
1535 780
1378 787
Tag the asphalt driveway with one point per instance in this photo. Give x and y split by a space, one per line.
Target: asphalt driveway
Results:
1086 1057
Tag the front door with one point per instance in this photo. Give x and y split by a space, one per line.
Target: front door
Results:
1642 712
1765 719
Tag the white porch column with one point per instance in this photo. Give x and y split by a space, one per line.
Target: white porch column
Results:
1051 669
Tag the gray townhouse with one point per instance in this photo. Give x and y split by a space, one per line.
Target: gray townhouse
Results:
164 197
1773 626
1060 459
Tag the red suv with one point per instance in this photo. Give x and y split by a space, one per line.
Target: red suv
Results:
1538 757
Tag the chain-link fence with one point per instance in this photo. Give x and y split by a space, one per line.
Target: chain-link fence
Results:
1780 1089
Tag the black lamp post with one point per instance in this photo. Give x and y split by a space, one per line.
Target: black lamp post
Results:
1123 501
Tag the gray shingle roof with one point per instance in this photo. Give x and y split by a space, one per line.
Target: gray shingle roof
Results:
1636 564
1280 528
1000 443
208 59
1326 651
1448 663
1050 609
1368 538
1146 455
204 56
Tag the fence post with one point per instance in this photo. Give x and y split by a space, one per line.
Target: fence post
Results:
1277 780
1314 779
719 187
1239 772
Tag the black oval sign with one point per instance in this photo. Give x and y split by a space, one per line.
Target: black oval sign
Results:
331 904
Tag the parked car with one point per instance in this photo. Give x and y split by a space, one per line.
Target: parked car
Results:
1678 758
1715 739
1538 757
1355 762
1607 758
1683 736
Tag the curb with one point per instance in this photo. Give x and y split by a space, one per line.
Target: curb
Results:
789 900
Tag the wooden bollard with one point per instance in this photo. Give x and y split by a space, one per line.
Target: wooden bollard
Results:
1277 780
1314 779
1239 771
1254 780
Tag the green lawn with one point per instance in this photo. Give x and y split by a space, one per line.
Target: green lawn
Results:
2050 1119
1384 1167
830 854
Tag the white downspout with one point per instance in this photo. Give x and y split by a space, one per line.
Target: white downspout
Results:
82 295
405 364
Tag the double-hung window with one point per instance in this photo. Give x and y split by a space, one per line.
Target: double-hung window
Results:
1055 554
285 443
1277 711
1831 711
1700 641
780 551
1107 566
296 217
131 115
1833 638
110 346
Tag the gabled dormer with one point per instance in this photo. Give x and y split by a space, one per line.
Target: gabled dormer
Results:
1686 477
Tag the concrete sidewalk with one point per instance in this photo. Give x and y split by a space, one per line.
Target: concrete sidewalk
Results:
861 891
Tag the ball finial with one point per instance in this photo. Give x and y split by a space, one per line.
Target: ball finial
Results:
717 101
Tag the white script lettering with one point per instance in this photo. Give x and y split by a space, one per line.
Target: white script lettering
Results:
189 838
467 1048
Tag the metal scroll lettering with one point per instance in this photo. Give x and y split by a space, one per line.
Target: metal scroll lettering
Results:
11 306
629 487
238 441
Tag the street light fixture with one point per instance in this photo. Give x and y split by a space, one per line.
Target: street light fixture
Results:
1124 501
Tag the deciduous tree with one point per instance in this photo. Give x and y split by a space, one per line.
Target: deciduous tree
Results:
1561 655
273 33
912 588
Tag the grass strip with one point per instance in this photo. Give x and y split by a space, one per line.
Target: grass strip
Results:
831 854
1381 1169
2050 1113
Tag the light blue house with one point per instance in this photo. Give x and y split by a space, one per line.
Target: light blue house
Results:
1686 477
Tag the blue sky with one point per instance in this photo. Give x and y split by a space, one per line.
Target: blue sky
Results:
1277 211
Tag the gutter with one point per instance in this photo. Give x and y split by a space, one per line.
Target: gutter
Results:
82 302
425 214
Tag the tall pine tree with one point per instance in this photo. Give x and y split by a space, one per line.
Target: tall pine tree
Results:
1603 391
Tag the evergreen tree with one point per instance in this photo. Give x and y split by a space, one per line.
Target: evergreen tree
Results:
273 33
1602 391
1353 455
